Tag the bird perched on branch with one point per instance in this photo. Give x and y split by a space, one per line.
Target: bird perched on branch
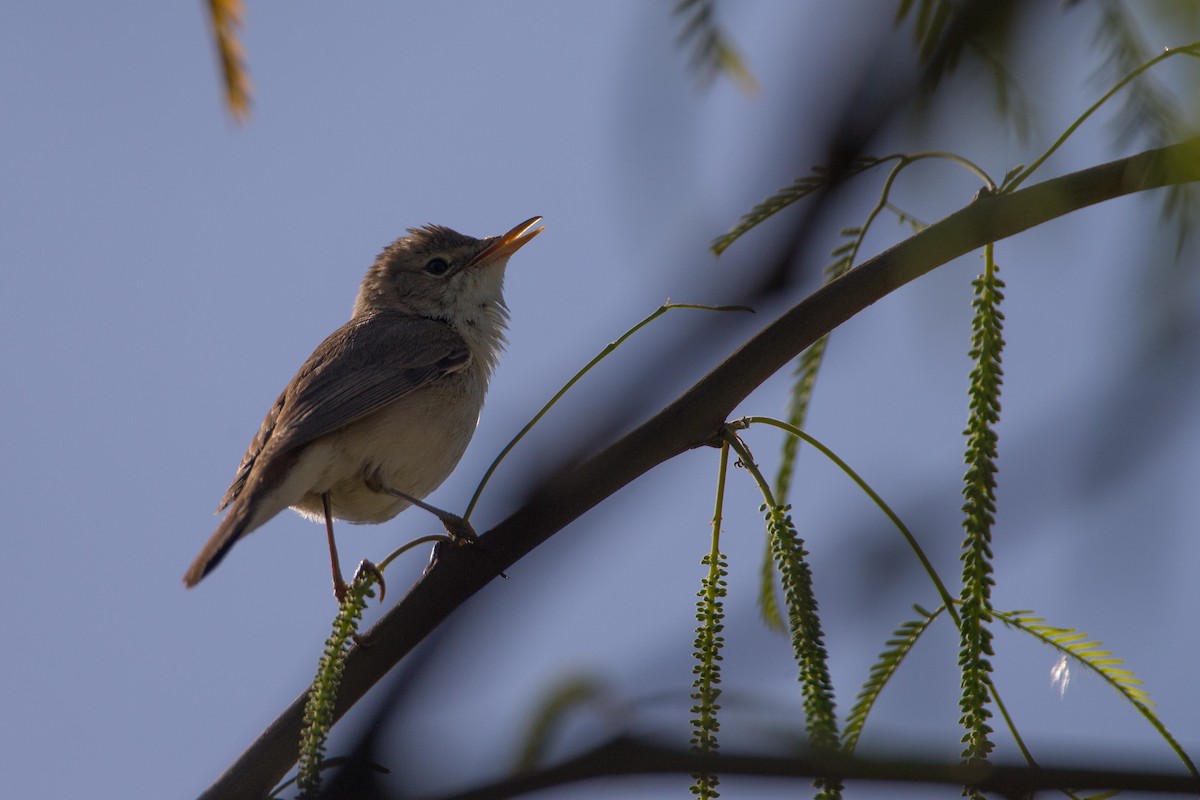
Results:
382 411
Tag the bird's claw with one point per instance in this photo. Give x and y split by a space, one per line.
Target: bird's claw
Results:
368 571
458 529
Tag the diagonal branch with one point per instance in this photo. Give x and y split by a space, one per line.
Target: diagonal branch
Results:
694 420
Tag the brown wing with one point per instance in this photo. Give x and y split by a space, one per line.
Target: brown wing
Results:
364 365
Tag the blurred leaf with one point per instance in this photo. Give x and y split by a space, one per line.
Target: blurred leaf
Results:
1149 110
226 17
712 54
559 700
943 31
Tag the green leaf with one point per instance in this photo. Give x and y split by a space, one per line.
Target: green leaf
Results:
979 508
712 54
902 641
318 711
821 178
1091 654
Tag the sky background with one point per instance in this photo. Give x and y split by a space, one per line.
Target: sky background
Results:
167 270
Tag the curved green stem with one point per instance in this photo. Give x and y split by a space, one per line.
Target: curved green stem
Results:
947 600
904 161
949 603
404 548
746 459
558 395
965 163
1192 50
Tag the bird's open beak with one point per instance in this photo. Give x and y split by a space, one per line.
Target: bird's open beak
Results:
507 244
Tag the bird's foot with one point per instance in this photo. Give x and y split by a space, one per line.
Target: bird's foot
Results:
459 531
366 571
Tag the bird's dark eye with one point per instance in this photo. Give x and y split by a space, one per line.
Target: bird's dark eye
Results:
437 266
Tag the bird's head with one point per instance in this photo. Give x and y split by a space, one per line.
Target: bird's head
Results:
438 273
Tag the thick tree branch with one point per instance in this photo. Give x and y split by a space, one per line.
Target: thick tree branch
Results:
628 757
694 420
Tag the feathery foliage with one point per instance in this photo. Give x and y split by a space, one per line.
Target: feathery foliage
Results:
804 622
979 509
944 30
809 362
931 19
710 613
902 641
805 378
820 179
318 713
562 698
768 603
1091 654
807 638
712 54
887 510
1148 109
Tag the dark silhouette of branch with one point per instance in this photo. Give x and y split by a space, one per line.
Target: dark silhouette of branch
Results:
693 420
626 757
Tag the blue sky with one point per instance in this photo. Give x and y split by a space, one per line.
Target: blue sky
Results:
167 270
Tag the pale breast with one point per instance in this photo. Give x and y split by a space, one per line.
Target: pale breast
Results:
411 445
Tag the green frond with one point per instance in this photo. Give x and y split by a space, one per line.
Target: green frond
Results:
318 711
712 54
1012 103
768 602
1148 108
555 704
931 19
1091 653
707 646
821 178
807 638
710 612
805 378
226 19
902 641
875 497
809 363
936 33
979 508
844 255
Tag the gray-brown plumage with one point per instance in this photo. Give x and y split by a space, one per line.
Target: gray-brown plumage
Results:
389 400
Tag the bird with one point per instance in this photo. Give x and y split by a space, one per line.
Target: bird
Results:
382 411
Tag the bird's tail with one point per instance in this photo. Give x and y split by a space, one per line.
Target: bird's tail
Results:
235 525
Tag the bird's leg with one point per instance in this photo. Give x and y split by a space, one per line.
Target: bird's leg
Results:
458 528
339 585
